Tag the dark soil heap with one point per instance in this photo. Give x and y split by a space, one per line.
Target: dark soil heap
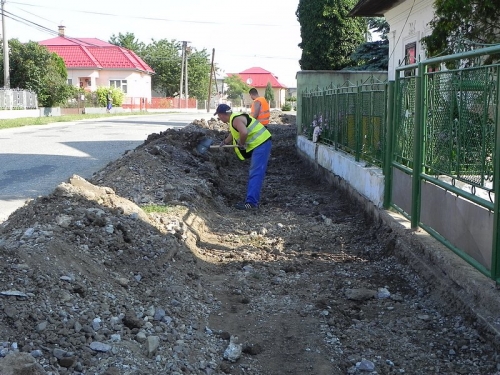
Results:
147 269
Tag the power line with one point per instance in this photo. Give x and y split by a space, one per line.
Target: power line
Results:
52 32
36 15
153 18
27 22
40 27
44 29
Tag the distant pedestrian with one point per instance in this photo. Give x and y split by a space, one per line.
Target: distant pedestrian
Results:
254 143
260 107
109 101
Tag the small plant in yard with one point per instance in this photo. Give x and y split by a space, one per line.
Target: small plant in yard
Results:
117 95
156 208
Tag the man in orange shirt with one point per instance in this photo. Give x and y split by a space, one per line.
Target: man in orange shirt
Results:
260 107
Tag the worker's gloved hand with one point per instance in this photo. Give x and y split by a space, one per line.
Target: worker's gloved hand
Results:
242 147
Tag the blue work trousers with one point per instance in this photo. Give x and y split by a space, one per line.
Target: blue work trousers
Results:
258 167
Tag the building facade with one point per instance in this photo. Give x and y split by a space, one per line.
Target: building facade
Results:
92 63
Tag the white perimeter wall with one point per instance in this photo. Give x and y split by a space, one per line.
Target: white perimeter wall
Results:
367 181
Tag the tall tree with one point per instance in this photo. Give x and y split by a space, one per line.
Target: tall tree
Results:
128 41
460 22
329 35
198 73
235 86
164 57
373 55
269 93
33 67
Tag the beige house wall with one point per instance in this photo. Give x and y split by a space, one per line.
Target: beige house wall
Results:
138 83
409 23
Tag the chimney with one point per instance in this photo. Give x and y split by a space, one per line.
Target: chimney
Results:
61 30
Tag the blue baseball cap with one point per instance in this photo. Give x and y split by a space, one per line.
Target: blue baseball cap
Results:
222 108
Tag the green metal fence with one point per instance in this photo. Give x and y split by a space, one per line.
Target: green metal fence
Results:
352 118
435 124
444 132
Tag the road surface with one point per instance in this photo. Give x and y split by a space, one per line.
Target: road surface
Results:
35 159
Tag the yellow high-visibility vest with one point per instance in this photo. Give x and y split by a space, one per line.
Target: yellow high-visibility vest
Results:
257 134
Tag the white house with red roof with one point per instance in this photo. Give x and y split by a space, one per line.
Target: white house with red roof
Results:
258 78
92 63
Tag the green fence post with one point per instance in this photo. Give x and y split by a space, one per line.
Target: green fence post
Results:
358 124
389 142
336 120
495 249
417 147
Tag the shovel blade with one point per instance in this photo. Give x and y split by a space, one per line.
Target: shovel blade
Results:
204 145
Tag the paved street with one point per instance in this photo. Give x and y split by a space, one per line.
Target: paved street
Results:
35 159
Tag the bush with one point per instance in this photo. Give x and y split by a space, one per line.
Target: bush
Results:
286 107
117 95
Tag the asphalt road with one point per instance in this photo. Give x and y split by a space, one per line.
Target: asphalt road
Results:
35 159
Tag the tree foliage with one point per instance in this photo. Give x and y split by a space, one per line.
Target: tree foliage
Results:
329 35
165 58
460 22
269 93
235 86
33 67
373 55
198 73
128 41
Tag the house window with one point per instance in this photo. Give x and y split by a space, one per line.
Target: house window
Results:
70 81
411 53
119 84
410 57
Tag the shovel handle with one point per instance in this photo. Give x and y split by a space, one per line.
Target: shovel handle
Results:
225 146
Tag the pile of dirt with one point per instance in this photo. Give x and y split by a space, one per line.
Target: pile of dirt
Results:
147 269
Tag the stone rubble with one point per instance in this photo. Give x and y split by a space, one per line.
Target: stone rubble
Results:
147 269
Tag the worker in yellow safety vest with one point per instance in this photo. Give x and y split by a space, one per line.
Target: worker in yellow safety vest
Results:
260 107
253 142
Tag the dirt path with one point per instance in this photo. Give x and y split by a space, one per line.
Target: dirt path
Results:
305 285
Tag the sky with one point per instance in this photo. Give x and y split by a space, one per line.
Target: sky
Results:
243 34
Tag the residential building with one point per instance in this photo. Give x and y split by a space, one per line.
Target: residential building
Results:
258 78
91 63
409 23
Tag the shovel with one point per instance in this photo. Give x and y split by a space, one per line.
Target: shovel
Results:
206 144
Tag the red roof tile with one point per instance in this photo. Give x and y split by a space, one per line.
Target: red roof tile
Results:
94 53
258 77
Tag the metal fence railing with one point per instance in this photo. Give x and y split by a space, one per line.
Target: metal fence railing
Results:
16 99
352 118
435 132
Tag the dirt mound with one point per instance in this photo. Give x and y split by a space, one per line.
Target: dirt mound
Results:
147 269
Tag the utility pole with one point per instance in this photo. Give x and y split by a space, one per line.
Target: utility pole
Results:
182 71
184 66
6 68
186 53
210 81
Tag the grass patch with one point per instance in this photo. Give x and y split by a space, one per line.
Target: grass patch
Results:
28 121
158 209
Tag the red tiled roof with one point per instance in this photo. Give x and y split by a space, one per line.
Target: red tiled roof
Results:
258 77
94 53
